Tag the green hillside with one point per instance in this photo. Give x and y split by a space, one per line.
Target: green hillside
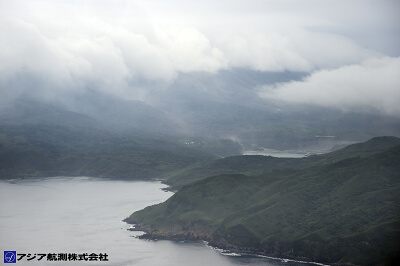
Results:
341 211
49 150
257 164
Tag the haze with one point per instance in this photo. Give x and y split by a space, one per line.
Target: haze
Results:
231 58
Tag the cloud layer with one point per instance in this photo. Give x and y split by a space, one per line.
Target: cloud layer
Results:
69 46
373 84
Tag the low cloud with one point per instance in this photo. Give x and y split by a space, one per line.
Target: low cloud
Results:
59 47
372 85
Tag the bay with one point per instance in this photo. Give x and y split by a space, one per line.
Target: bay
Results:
276 153
84 215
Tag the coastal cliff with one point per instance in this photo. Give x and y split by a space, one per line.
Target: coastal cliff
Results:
344 212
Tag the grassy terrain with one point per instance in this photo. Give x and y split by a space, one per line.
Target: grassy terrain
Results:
341 207
255 165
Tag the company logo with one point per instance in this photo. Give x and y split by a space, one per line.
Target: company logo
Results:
10 256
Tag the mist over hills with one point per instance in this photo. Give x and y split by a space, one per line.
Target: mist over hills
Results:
223 105
179 90
207 115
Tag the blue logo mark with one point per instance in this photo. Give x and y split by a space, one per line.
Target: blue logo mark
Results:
10 256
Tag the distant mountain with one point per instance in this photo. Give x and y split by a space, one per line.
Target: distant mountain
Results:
205 107
343 208
93 110
38 139
227 105
26 111
45 151
257 164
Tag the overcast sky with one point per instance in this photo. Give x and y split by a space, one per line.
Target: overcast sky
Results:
350 48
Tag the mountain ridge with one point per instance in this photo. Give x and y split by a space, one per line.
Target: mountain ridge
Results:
344 212
257 164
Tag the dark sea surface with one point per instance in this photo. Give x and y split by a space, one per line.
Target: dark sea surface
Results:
84 215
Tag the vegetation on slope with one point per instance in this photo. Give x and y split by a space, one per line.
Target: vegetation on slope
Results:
343 210
256 164
122 140
42 150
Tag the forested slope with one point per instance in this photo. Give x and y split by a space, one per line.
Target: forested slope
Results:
343 211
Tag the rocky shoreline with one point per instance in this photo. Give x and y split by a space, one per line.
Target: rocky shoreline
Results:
199 233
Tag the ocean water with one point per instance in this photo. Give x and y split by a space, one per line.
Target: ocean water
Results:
279 154
77 215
